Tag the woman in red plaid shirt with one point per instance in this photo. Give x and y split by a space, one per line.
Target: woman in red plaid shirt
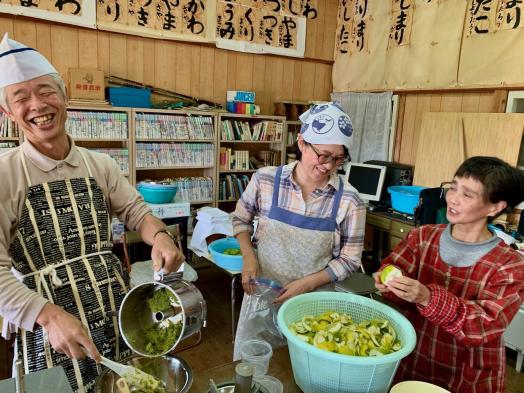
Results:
461 284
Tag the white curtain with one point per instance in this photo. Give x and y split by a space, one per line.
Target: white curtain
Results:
370 115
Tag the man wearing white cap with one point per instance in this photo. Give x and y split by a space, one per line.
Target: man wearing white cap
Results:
55 235
311 221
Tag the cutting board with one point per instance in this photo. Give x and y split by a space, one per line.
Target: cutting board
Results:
446 139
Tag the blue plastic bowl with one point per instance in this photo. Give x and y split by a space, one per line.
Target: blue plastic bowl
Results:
157 193
228 262
405 198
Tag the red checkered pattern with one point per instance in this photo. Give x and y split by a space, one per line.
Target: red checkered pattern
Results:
459 332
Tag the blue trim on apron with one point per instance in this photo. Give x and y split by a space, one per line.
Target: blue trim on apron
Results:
299 220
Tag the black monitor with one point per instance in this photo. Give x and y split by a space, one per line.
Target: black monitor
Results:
367 179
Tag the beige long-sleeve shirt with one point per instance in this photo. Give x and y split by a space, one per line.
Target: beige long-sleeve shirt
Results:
18 304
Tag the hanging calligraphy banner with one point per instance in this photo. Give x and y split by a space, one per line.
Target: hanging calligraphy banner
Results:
493 46
186 20
263 26
401 21
76 12
377 50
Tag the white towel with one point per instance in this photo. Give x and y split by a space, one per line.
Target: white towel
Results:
212 221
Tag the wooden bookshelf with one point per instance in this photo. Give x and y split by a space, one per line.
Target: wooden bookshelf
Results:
246 135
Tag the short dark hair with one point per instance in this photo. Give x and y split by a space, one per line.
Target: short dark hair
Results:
501 181
299 153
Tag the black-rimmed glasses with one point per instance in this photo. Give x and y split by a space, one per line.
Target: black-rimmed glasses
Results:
327 158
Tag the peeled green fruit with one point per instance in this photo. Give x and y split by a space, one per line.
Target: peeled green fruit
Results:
389 273
231 251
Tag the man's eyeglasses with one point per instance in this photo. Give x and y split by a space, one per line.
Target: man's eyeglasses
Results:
326 158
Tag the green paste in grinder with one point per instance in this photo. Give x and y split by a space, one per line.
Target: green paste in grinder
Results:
160 301
161 336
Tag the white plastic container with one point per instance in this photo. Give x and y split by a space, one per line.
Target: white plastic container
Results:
257 353
418 387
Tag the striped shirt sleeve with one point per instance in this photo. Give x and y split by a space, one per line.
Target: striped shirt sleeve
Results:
351 244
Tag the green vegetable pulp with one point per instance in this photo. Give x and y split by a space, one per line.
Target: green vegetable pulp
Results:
161 336
231 251
161 300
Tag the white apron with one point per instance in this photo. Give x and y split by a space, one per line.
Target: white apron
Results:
290 246
62 250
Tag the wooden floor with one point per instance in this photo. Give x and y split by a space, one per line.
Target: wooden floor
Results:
216 347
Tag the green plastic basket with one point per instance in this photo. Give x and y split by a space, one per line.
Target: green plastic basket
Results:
318 371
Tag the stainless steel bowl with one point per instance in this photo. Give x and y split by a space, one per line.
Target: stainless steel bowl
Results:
173 371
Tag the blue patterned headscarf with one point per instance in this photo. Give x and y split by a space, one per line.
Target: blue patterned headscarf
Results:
326 124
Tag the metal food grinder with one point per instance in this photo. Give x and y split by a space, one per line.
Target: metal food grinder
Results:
153 314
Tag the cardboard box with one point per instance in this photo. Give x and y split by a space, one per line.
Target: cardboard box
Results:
86 83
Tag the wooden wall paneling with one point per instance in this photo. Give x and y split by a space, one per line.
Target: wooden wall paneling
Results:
408 129
262 95
318 82
441 153
7 26
195 71
207 64
231 70
330 28
103 51
470 102
43 39
288 72
328 84
149 62
118 55
486 101
135 59
297 80
87 48
220 76
183 68
274 84
244 73
165 61
500 98
436 101
451 102
319 40
423 106
400 126
307 87
25 32
64 50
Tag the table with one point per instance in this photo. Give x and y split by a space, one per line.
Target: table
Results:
279 367
388 230
234 274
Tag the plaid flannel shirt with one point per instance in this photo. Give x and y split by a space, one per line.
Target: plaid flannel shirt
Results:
459 333
351 215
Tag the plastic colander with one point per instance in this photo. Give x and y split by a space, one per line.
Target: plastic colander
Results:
318 371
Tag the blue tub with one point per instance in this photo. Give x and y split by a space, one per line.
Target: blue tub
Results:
405 198
228 262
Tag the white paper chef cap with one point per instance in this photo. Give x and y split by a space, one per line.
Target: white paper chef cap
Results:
326 124
20 63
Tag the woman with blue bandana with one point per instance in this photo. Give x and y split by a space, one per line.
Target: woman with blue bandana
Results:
311 223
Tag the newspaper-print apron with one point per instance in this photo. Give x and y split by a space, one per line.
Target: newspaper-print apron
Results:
62 249
290 246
